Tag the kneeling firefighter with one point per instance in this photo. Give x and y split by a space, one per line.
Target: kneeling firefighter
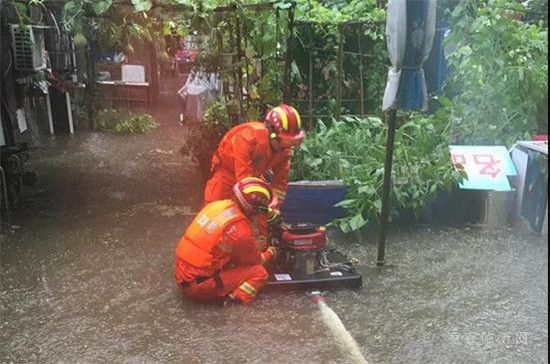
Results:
217 258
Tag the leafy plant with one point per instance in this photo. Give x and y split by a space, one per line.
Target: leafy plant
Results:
203 137
499 73
217 117
257 68
125 122
537 10
336 12
353 149
138 124
107 24
326 28
269 89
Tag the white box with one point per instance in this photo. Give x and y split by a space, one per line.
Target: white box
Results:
133 73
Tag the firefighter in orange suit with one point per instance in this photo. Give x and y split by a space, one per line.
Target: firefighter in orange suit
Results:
217 257
255 149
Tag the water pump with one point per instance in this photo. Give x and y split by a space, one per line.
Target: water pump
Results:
305 261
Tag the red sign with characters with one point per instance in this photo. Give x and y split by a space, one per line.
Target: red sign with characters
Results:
487 167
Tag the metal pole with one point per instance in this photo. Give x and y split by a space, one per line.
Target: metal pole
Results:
49 110
262 67
392 114
340 75
361 86
288 56
239 69
245 40
5 191
69 112
310 84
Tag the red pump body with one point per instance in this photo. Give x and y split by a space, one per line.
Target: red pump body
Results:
305 239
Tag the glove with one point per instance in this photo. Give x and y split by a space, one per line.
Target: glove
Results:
275 224
261 245
275 203
274 217
273 251
269 254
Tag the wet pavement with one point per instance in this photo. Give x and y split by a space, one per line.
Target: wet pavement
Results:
87 277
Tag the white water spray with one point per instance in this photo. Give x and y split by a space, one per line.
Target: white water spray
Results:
344 339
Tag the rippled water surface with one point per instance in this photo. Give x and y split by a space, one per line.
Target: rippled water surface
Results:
87 277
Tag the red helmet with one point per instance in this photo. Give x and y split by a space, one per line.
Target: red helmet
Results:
253 194
285 124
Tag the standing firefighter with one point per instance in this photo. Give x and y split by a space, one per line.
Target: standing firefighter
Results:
217 257
256 149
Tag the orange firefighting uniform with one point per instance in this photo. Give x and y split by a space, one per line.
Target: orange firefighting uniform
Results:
218 256
245 152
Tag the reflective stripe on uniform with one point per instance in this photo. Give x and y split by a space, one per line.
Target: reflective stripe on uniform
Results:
247 288
279 193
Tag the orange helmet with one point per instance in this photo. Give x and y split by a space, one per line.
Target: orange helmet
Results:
285 124
253 194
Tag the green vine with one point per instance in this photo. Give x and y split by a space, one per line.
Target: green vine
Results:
497 99
353 149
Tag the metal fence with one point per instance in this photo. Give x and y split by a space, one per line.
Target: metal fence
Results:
334 74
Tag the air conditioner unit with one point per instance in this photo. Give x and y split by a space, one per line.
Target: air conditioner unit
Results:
29 48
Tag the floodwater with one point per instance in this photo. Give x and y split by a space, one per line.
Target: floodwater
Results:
87 277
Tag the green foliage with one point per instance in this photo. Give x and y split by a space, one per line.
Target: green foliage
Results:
353 150
537 10
139 124
499 73
338 12
108 25
22 9
217 117
264 39
124 121
326 31
121 26
101 6
142 5
258 66
375 77
268 88
203 137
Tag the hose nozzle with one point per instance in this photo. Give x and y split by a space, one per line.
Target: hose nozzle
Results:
316 296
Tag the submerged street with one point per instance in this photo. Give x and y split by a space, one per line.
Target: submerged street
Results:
87 276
